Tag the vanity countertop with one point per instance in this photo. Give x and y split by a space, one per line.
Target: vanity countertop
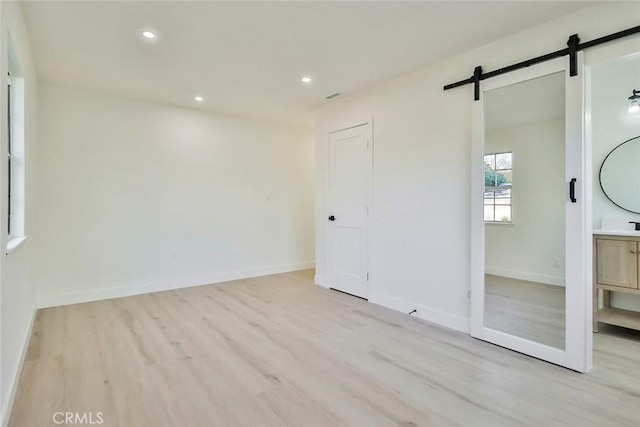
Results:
627 233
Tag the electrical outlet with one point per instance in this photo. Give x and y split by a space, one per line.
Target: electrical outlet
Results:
469 294
556 262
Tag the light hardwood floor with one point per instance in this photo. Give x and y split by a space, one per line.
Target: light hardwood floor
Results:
278 350
529 310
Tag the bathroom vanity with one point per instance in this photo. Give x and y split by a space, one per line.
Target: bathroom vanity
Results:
616 268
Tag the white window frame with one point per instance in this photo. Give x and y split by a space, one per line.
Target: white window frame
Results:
510 222
16 153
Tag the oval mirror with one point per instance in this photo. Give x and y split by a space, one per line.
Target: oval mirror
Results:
620 175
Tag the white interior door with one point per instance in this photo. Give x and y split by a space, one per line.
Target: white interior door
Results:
350 166
530 290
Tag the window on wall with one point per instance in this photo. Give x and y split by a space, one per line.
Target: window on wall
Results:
9 126
498 178
15 146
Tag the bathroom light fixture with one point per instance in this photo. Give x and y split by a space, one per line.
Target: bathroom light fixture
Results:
199 98
148 34
634 101
306 79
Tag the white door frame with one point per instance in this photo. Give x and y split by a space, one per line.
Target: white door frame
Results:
578 347
368 122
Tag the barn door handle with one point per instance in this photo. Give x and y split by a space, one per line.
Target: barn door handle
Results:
572 190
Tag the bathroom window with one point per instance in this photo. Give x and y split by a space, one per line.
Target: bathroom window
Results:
498 174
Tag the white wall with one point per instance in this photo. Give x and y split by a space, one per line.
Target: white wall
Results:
420 230
611 85
528 248
612 124
17 281
139 196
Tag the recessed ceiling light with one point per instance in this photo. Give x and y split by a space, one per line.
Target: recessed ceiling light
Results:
149 35
306 79
199 98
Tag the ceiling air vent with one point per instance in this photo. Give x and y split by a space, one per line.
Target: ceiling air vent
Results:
334 95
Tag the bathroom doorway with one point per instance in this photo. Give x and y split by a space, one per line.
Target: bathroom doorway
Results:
613 135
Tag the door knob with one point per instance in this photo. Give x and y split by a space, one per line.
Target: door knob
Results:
332 218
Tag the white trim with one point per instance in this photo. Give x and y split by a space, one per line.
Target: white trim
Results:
525 275
364 123
579 348
422 312
477 223
319 280
167 285
14 243
370 210
8 405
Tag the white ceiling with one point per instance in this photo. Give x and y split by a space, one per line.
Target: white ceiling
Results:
248 58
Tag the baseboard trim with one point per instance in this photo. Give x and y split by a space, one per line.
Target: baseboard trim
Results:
523 275
318 279
188 282
8 405
425 313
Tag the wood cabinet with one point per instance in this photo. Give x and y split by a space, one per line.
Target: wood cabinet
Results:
616 267
617 262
